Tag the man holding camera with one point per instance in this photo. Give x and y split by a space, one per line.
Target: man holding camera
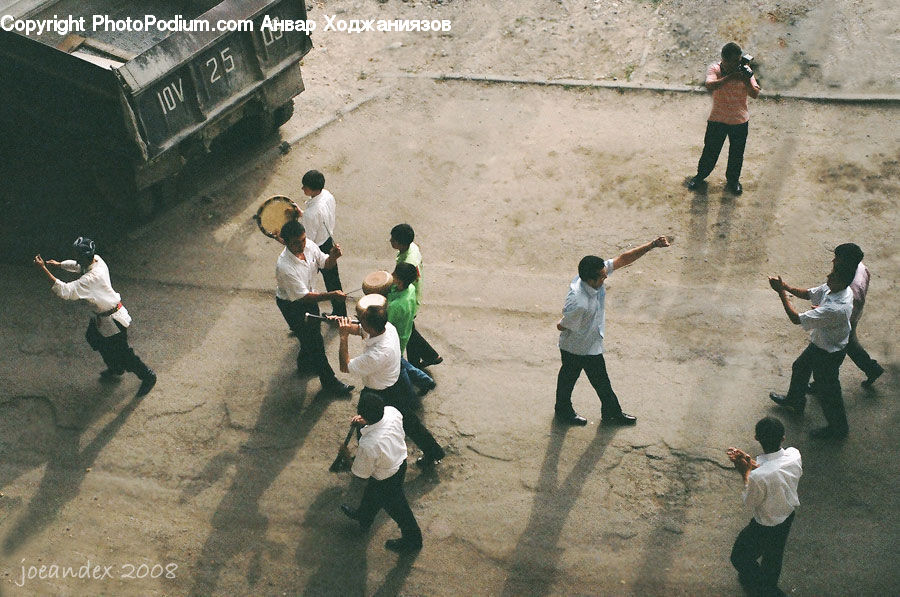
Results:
730 81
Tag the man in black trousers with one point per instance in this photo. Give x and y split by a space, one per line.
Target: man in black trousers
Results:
770 491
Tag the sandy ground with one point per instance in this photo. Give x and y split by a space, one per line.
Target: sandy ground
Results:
219 477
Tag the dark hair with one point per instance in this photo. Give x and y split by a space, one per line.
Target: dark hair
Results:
403 234
407 272
769 433
370 407
375 316
849 253
292 229
731 50
314 179
844 272
589 267
84 249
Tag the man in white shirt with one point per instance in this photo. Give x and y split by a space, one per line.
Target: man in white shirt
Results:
107 331
381 458
770 492
295 295
582 328
319 220
828 323
379 367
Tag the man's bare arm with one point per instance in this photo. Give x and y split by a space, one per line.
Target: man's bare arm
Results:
629 257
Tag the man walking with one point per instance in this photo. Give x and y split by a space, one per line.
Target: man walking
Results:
730 83
582 329
319 221
850 255
295 296
381 458
770 492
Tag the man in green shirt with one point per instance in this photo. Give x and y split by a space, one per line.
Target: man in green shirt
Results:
419 351
401 311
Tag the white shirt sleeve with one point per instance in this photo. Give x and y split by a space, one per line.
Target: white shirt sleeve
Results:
754 492
76 289
70 265
364 463
609 267
817 294
573 315
363 365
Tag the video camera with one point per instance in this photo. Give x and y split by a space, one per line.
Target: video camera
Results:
745 65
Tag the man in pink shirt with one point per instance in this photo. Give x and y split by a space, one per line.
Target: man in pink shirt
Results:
730 83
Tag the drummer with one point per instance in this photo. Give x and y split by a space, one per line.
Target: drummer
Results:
401 309
295 295
379 367
319 220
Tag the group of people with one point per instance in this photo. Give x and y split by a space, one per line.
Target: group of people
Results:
386 412
388 400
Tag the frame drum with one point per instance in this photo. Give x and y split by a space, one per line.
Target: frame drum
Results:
379 282
274 213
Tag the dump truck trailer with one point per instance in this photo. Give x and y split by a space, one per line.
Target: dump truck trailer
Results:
134 90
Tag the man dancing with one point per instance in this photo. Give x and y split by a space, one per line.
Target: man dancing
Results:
107 331
828 324
582 328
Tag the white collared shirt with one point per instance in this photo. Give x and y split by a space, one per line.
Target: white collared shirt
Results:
382 447
828 324
771 490
379 364
94 286
584 317
318 217
294 277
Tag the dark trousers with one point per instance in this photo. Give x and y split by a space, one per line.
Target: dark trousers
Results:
312 346
400 396
757 541
115 351
595 367
712 146
332 280
860 357
418 349
825 367
388 494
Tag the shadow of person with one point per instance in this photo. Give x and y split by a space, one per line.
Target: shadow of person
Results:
533 570
338 547
66 469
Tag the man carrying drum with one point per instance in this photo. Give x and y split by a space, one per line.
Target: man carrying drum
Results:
295 295
379 367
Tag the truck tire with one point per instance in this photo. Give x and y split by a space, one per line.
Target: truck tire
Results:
282 114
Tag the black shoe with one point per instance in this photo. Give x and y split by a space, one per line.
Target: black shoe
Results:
794 406
403 545
828 433
622 419
338 388
871 378
734 187
695 183
427 462
147 384
574 419
111 375
354 515
430 362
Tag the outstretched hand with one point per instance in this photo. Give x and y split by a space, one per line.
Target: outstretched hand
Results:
38 261
661 241
777 283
